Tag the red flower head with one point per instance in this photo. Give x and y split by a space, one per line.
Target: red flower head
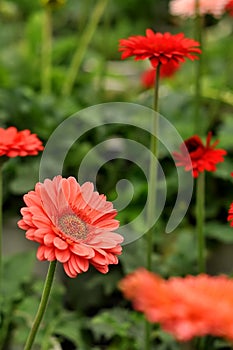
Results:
166 71
229 7
15 143
73 224
203 157
159 48
185 307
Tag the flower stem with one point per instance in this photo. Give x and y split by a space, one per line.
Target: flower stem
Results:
81 49
198 76
152 194
200 217
42 306
46 52
152 173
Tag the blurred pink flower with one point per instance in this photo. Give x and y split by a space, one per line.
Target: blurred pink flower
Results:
186 8
185 307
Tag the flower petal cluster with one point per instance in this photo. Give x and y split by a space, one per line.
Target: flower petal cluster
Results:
203 157
187 8
15 143
166 71
229 7
185 307
159 48
72 224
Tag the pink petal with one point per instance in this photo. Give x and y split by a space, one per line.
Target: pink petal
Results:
69 270
60 244
62 255
82 250
103 269
48 240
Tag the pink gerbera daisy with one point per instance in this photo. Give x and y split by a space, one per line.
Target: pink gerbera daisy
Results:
186 307
73 224
187 8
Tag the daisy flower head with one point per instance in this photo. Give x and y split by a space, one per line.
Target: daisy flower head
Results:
187 8
159 48
204 157
72 224
183 306
15 143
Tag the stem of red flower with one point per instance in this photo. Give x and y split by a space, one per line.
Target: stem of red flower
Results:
152 194
42 306
153 173
46 52
200 218
82 47
198 75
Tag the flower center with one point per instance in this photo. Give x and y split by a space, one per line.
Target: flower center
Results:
192 145
73 226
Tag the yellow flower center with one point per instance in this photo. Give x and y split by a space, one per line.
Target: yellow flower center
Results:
73 226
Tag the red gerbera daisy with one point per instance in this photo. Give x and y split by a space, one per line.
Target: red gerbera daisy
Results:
185 307
203 157
15 143
73 224
229 7
159 48
166 71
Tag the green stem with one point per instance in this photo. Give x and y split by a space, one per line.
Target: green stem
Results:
152 173
200 217
46 52
152 194
198 75
42 306
81 49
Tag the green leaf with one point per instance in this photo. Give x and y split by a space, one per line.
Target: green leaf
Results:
17 270
220 232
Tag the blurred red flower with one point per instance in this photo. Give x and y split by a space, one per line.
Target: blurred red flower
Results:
166 71
229 7
185 307
15 143
159 48
187 8
73 224
203 157
230 212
